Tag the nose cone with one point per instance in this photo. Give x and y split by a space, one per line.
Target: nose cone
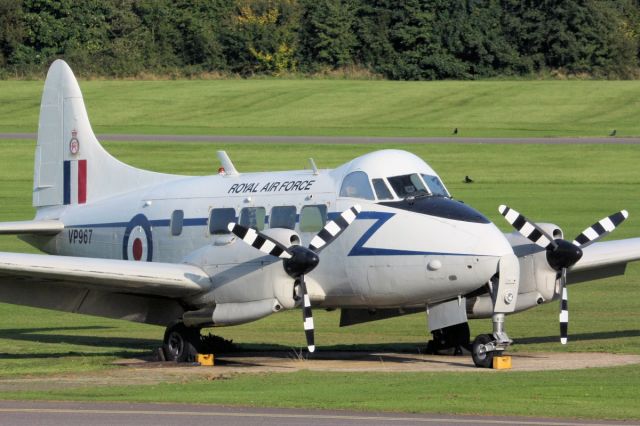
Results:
490 246
490 241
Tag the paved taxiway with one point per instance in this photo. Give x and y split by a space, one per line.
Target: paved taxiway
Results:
98 414
357 140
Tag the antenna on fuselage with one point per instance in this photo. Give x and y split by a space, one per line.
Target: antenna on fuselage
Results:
314 167
227 165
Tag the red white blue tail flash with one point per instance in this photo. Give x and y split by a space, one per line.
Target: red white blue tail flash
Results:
75 181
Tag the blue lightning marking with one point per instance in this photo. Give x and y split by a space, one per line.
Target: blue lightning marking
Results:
380 219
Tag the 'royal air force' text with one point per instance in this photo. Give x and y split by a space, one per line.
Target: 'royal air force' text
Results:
255 187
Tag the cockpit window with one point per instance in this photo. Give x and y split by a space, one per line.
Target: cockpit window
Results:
356 185
407 185
382 190
435 185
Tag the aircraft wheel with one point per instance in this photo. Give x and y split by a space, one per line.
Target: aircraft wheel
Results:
180 342
453 340
481 356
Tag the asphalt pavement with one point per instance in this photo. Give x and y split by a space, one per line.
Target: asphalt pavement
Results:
17 413
357 140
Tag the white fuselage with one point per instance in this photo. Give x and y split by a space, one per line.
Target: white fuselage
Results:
390 256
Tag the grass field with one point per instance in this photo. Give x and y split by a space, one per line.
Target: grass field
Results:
571 185
348 108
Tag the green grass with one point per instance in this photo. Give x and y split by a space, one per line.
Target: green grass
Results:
571 185
596 393
346 108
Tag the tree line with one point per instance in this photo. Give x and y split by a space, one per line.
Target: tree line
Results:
404 40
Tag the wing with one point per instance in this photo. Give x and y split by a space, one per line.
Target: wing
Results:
604 259
172 280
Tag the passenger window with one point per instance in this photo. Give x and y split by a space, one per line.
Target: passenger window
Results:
356 185
382 190
253 217
313 218
177 219
283 217
219 219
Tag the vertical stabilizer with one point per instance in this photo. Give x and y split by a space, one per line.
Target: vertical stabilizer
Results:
71 167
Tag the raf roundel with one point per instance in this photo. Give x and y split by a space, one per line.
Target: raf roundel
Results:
138 244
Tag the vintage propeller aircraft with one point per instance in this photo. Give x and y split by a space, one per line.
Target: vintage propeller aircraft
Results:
377 237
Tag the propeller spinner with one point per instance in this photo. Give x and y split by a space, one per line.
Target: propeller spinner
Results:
299 260
562 254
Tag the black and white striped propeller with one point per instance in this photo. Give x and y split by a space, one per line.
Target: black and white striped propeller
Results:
562 254
299 260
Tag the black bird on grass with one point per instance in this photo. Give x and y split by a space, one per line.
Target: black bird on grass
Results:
455 131
613 133
467 179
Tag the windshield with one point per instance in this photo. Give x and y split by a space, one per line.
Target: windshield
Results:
356 185
407 185
436 187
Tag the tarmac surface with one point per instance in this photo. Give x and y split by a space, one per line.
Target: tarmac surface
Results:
98 414
357 140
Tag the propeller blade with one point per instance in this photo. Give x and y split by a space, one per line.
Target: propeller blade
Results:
527 228
564 308
600 229
259 241
334 228
307 316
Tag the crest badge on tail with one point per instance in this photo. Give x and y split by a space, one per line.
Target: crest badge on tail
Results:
74 143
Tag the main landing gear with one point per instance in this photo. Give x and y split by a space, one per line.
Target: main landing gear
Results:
181 343
485 347
453 340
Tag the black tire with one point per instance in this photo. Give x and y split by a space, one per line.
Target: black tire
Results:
180 343
453 340
481 357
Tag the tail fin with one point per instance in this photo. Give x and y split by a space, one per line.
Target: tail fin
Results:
71 167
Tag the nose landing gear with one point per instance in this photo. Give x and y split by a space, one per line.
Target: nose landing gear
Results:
485 347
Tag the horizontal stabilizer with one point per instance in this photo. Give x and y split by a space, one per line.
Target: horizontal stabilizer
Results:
33 227
152 279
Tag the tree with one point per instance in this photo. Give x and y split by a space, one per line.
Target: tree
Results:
327 37
11 30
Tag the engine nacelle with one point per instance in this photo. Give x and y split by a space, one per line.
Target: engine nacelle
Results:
538 281
244 274
225 314
284 236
